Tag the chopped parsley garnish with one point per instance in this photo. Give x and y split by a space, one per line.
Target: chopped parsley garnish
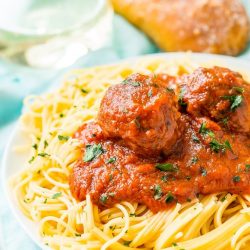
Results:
93 151
132 215
137 122
236 178
112 227
78 235
43 154
32 159
188 178
235 101
46 144
174 244
169 197
203 171
164 178
194 160
247 167
84 91
157 192
103 198
205 131
63 137
225 121
168 167
56 195
150 93
61 115
180 99
111 160
126 243
216 146
133 83
110 177
239 89
34 146
170 90
223 198
45 201
195 139
227 145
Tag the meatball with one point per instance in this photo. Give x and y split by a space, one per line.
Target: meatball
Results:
219 94
142 113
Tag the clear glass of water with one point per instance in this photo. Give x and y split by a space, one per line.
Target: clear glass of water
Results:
52 33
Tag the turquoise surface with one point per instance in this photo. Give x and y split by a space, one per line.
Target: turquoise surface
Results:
16 82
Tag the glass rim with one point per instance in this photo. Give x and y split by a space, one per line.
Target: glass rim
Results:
101 6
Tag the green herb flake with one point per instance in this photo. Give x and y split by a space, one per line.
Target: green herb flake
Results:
223 198
35 146
239 89
78 235
189 200
150 93
195 139
203 171
93 151
132 215
133 83
137 122
32 159
235 101
43 154
63 137
112 227
169 198
188 178
205 131
225 121
127 243
110 177
167 167
104 198
56 195
236 178
45 144
164 178
45 200
169 90
157 192
228 146
247 167
111 160
174 244
84 91
216 146
194 160
61 115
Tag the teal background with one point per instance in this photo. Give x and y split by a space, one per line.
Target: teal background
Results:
16 82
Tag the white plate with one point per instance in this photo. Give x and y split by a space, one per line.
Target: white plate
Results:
13 162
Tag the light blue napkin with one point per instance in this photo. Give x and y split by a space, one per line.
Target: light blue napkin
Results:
16 82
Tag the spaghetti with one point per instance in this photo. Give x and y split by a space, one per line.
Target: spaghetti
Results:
216 221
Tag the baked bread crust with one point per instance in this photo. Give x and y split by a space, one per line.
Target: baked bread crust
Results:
213 26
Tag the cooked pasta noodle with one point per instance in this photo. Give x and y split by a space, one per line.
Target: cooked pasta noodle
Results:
216 221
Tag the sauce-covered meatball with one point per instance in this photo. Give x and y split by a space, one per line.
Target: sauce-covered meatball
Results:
220 94
143 113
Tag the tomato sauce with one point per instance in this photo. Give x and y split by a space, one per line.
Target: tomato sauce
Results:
159 151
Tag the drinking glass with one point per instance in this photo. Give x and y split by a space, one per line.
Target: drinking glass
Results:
52 33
